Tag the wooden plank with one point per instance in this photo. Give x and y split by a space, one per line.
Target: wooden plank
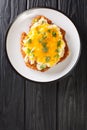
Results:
41 3
40 106
40 98
11 84
72 98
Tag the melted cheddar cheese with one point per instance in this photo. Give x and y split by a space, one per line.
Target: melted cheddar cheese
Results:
43 44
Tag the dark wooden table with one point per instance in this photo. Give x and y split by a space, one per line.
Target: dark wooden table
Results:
59 105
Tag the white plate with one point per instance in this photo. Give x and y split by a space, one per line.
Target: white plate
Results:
22 24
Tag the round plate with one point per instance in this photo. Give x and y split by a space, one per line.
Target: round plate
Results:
21 24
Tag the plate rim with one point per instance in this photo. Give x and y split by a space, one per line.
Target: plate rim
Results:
80 46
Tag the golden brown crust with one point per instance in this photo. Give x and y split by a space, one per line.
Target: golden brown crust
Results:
23 35
39 17
66 47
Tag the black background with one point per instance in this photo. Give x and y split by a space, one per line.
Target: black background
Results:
59 105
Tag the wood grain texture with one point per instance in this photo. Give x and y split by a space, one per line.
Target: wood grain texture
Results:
40 102
11 84
60 105
72 94
40 106
41 3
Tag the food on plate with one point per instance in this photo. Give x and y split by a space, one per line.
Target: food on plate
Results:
44 45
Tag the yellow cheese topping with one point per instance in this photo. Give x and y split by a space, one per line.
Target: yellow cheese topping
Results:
43 44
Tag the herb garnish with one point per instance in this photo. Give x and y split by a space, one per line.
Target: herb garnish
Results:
54 34
47 58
